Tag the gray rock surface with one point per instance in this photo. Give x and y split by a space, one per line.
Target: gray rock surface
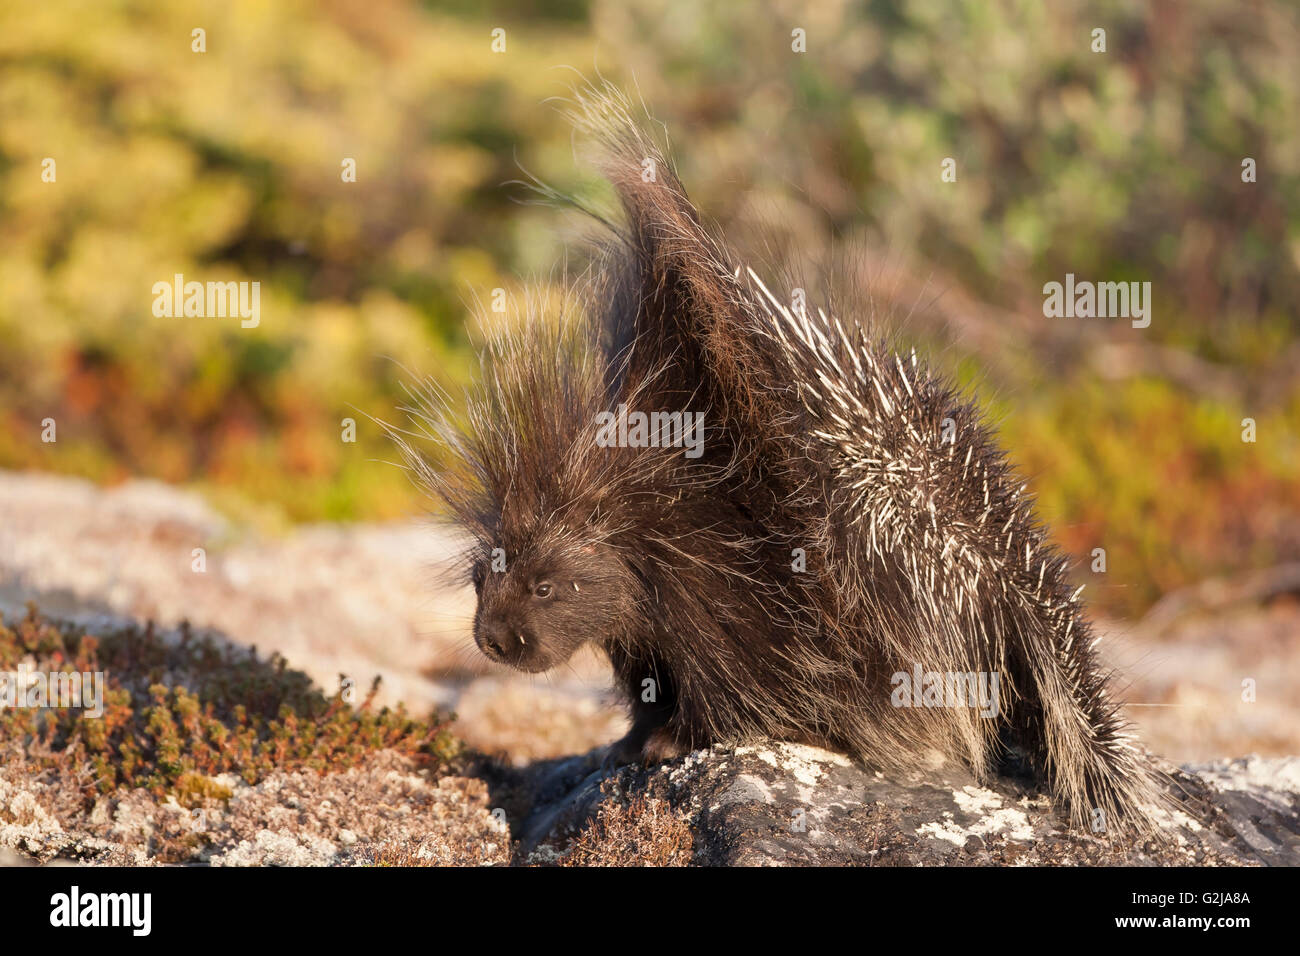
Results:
771 805
786 804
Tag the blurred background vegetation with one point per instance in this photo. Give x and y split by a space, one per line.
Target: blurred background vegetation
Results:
225 165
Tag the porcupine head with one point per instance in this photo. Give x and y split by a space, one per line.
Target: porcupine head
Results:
583 532
547 499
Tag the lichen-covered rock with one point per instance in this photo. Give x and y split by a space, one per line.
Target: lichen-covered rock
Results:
776 804
383 812
785 804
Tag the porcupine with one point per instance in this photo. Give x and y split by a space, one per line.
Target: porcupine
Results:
849 518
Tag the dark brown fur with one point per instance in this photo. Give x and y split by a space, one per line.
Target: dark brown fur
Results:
921 546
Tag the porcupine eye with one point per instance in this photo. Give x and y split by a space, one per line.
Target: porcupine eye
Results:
543 590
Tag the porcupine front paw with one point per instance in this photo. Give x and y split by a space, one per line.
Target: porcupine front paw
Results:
661 745
638 746
621 752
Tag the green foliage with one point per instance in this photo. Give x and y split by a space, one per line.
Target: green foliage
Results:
1165 485
225 165
1117 165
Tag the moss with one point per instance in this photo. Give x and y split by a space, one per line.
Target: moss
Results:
193 789
179 713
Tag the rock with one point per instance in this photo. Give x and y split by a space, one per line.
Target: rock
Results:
786 804
10 858
774 804
384 812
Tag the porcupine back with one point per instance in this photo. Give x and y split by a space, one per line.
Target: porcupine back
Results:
922 545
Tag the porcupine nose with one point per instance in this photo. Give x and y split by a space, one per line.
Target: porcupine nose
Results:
494 640
502 641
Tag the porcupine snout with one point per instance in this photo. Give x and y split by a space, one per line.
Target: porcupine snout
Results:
491 640
500 640
515 640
